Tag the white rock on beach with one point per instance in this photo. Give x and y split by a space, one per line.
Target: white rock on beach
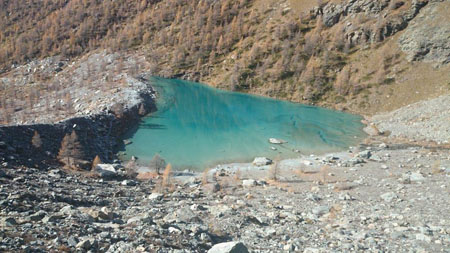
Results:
248 182
261 161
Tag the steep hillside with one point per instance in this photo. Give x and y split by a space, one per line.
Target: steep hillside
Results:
356 55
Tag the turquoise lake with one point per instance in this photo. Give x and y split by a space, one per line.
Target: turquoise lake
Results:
197 126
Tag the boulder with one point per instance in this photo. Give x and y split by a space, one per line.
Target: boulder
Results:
142 218
155 196
106 170
9 221
388 196
416 177
229 247
321 210
128 183
372 130
52 218
85 244
182 215
39 215
248 183
211 187
307 163
261 161
365 154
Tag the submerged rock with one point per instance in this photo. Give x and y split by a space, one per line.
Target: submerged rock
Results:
276 141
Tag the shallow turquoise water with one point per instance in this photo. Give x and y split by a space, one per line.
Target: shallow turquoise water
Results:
197 126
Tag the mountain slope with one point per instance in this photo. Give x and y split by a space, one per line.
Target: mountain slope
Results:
342 54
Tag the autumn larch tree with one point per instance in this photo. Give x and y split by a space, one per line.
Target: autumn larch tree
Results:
36 140
71 149
96 161
142 110
157 163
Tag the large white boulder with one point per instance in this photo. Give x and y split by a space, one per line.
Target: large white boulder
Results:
106 170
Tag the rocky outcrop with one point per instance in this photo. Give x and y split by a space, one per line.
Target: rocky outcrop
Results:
98 135
428 36
387 23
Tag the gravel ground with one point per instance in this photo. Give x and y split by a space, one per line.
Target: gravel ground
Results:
372 199
423 121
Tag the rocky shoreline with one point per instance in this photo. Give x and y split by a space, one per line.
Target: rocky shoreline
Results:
384 195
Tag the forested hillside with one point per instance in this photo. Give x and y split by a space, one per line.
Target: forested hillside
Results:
329 53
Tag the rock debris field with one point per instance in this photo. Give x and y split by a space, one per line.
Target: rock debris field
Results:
370 199
426 120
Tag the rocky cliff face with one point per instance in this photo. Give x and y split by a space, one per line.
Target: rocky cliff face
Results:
387 25
427 37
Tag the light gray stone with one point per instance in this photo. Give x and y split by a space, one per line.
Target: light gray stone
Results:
261 161
416 177
229 247
248 183
320 210
155 196
388 196
85 244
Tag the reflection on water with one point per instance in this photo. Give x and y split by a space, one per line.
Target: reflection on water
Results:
197 126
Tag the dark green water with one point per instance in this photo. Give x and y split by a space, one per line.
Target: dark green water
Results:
197 126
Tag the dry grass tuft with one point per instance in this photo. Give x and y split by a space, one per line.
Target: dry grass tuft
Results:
165 184
323 174
343 187
237 175
281 185
436 168
205 176
334 212
147 175
166 177
274 170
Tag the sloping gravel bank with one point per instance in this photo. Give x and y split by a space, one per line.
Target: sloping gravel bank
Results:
423 121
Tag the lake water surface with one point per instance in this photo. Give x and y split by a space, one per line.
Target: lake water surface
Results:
197 126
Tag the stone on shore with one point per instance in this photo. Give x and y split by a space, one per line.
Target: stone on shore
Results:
106 170
249 183
229 247
261 161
